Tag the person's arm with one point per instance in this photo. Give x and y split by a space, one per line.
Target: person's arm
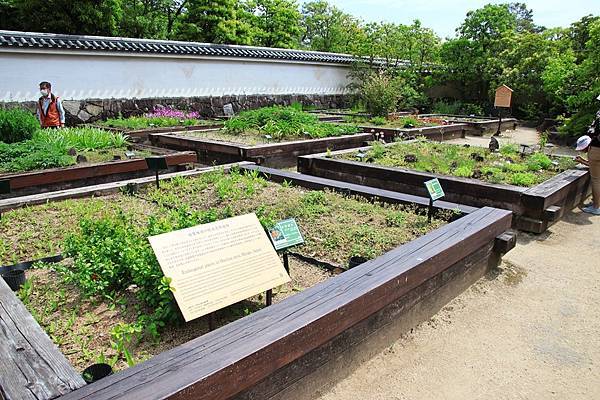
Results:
61 112
37 113
582 160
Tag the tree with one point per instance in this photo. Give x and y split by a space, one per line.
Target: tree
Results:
276 23
327 28
524 18
146 18
209 21
584 86
86 17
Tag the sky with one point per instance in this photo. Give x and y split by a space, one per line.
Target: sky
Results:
444 16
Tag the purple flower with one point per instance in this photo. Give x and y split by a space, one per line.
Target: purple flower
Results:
168 112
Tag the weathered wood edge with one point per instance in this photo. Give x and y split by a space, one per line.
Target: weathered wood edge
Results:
32 366
102 189
231 359
315 182
59 175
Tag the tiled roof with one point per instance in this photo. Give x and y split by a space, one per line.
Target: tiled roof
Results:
29 40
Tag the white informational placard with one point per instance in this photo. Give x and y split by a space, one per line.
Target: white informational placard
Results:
218 264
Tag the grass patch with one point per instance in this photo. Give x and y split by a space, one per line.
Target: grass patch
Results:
508 166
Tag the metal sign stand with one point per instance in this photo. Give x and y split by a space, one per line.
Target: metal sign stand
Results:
157 164
4 189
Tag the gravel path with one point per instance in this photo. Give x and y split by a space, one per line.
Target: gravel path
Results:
531 331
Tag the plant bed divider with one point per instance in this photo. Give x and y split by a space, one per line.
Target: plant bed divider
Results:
34 182
28 264
387 196
101 189
438 133
535 208
479 128
142 134
282 154
260 355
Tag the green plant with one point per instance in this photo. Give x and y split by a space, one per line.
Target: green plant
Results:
538 161
123 336
456 108
523 179
377 150
285 122
380 94
464 171
31 155
469 162
378 120
17 125
82 139
151 122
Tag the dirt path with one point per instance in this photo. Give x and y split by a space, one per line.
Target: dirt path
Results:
531 331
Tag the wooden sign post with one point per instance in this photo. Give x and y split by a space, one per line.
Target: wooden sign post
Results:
214 265
502 100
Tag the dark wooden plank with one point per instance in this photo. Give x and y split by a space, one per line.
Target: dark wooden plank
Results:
227 361
308 146
31 365
101 189
553 213
375 333
58 175
458 190
505 242
314 182
565 190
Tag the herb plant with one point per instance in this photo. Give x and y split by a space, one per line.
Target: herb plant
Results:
508 166
285 122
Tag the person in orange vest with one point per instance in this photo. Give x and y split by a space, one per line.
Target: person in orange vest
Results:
50 111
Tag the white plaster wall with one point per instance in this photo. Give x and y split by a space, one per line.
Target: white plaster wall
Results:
79 76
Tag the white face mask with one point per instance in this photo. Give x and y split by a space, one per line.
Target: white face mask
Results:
44 92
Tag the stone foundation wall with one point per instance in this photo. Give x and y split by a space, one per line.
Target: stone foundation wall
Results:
86 111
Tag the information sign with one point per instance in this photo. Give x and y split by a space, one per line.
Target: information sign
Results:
285 234
503 97
435 189
218 264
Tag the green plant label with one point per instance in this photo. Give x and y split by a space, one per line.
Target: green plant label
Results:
435 189
285 234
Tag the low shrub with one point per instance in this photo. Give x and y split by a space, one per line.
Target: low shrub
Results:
380 94
17 125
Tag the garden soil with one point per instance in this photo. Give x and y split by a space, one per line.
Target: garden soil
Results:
530 330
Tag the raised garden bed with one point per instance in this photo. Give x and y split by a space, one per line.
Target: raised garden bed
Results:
72 157
476 125
541 199
299 333
91 173
272 136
